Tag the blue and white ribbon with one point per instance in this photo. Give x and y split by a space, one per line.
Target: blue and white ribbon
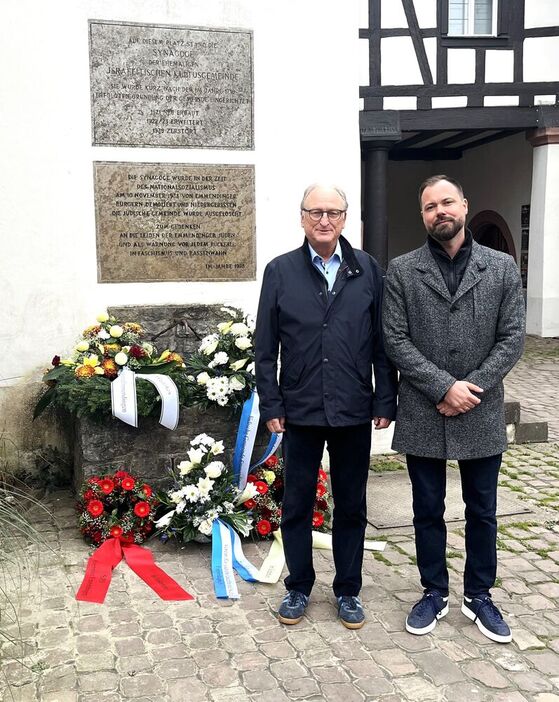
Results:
124 402
246 436
228 556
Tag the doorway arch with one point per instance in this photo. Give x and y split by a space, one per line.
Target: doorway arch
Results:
490 229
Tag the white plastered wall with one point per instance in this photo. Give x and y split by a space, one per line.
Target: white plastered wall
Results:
306 109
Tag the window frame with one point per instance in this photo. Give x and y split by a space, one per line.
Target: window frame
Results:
470 30
501 27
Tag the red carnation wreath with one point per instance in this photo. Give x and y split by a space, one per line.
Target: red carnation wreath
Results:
116 506
265 504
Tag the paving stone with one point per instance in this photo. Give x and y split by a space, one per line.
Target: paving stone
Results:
329 674
142 684
256 680
60 696
229 694
546 662
538 602
238 644
301 687
219 675
486 673
175 668
525 639
279 649
99 681
395 662
130 665
289 669
530 682
91 662
176 690
253 660
510 661
418 690
341 692
438 668
466 692
134 646
159 637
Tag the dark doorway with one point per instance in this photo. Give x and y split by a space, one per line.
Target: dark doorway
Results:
490 229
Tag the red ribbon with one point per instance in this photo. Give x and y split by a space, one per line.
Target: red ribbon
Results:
100 566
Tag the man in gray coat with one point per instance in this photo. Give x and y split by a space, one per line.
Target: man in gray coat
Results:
453 324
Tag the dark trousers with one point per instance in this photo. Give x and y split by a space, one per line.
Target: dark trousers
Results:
479 491
349 449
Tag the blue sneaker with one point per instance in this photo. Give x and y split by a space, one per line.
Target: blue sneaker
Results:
424 614
350 611
293 607
489 620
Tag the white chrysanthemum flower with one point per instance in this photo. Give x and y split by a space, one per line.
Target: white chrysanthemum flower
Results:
214 469
239 329
116 331
217 448
222 400
175 496
103 334
212 514
180 507
212 394
121 358
220 359
243 343
191 493
196 455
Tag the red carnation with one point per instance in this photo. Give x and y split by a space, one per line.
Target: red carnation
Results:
251 478
95 508
271 462
317 519
320 490
121 474
115 531
146 489
141 509
137 351
249 504
322 475
97 536
56 361
128 483
88 495
261 487
107 485
263 527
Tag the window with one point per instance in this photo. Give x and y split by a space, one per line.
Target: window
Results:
472 18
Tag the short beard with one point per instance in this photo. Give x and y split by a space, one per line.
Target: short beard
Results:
448 232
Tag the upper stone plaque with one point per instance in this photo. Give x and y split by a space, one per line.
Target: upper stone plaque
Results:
171 86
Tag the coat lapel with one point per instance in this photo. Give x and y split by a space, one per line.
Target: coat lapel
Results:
474 271
430 273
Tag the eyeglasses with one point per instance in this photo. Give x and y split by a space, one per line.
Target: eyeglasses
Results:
317 215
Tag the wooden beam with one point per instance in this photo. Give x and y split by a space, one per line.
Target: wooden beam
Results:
459 89
417 41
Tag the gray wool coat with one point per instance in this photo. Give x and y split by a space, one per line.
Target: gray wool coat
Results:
435 339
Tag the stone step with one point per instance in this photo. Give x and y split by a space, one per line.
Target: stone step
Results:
512 412
520 428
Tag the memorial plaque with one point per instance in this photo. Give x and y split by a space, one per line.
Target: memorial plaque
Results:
170 221
161 85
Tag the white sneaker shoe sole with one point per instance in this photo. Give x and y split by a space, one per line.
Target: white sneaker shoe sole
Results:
484 630
429 627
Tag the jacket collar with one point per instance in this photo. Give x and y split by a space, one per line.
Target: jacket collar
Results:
432 276
348 256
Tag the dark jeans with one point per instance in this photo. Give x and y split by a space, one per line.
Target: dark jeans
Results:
479 491
349 449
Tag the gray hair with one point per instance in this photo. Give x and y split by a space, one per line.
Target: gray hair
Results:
312 187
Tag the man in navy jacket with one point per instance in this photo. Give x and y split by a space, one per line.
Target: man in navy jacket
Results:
320 311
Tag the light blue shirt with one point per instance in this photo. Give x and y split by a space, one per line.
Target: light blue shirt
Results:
329 269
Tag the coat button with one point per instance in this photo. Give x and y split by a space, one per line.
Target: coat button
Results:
324 360
453 352
324 325
454 308
320 293
333 292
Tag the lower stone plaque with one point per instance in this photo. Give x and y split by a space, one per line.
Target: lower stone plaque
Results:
171 222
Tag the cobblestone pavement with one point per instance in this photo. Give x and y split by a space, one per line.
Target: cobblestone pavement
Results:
138 647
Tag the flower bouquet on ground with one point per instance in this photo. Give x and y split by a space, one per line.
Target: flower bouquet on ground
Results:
116 506
222 371
263 497
81 383
203 490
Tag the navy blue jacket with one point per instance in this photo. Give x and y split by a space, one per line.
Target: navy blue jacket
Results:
328 342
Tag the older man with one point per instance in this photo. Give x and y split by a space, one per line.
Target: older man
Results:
454 327
320 306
